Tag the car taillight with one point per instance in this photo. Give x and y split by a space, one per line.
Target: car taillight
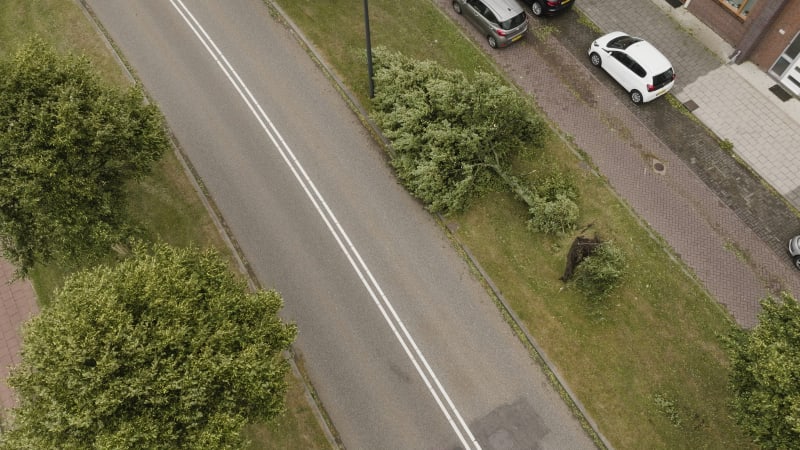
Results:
500 32
553 2
650 88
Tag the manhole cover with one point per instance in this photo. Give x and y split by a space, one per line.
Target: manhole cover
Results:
658 167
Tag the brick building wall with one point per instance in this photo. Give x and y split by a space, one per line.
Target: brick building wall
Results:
725 23
773 42
757 35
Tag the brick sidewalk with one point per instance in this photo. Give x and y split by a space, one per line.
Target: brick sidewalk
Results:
18 303
733 101
729 258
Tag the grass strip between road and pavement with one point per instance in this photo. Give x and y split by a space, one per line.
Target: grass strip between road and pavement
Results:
646 362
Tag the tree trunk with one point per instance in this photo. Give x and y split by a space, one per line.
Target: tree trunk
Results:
580 249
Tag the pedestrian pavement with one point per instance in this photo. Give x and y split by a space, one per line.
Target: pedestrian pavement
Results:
733 100
759 183
17 305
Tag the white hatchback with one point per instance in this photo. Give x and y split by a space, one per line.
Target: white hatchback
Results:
794 251
634 63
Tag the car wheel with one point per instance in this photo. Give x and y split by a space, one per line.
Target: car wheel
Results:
536 8
492 41
595 59
457 7
797 262
636 97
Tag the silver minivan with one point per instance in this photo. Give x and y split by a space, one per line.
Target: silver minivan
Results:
501 21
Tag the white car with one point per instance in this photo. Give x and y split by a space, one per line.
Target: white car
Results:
634 63
794 250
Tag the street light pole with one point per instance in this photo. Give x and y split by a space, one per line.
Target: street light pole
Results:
369 51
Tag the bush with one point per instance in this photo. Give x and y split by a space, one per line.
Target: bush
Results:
552 206
765 367
555 216
552 186
451 134
601 271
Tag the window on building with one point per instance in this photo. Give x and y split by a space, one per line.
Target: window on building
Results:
740 7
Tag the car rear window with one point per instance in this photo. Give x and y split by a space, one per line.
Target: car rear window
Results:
623 42
663 78
513 22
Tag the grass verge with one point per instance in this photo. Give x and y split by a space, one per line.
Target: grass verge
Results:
646 362
165 206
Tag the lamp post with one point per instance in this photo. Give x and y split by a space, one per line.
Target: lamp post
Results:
369 51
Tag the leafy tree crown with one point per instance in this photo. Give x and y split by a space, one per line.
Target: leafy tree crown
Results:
165 350
68 144
450 134
765 374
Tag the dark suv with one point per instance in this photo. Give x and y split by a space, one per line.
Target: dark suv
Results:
548 7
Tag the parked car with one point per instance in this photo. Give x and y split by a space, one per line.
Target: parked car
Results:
794 250
634 63
548 7
501 21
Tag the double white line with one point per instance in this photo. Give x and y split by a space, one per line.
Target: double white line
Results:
379 298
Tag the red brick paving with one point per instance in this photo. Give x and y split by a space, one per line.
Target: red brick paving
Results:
17 305
703 232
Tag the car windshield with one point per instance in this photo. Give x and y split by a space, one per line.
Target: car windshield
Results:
623 42
513 22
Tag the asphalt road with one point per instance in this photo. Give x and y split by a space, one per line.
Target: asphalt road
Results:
404 346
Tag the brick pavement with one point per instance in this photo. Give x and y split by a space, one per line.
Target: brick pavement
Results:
729 258
17 305
732 100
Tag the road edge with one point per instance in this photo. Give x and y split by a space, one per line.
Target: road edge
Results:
537 353
222 228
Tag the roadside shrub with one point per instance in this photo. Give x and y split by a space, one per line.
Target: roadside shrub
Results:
451 134
599 273
553 216
552 206
765 363
551 186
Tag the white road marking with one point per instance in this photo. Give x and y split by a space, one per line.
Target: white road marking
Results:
379 298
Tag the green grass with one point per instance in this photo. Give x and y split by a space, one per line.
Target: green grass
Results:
164 205
297 429
655 336
60 23
646 362
416 28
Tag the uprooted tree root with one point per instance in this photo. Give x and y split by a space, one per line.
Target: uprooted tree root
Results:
580 249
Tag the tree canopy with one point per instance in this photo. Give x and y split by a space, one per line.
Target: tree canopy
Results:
165 350
68 144
451 134
765 375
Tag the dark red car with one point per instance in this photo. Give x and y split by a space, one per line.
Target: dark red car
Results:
548 7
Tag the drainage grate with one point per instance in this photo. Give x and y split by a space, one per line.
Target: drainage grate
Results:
691 105
780 93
